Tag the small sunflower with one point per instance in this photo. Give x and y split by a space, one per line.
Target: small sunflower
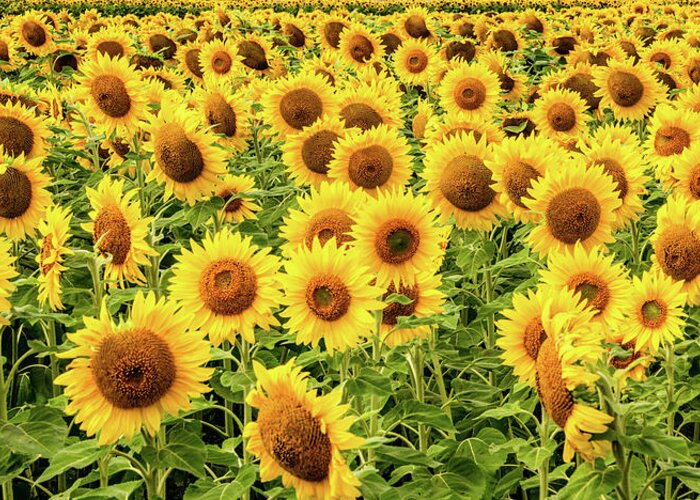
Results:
579 79
159 42
470 90
328 296
358 47
654 311
419 122
440 128
373 160
113 95
505 38
676 244
595 279
560 115
365 107
511 84
577 204
24 197
669 54
238 206
7 273
328 211
300 435
218 59
119 230
187 57
186 158
415 23
226 112
329 29
113 42
9 56
33 34
257 55
630 90
670 132
125 377
55 231
229 285
414 62
686 172
308 154
426 300
297 102
397 236
22 132
460 184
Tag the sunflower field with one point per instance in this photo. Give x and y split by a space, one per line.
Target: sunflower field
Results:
332 250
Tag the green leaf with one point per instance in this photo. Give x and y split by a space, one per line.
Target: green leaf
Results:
586 483
534 456
185 450
507 410
690 476
75 456
654 442
121 491
422 413
206 489
397 297
370 382
374 487
398 455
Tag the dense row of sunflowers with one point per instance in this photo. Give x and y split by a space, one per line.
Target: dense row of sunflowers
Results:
311 193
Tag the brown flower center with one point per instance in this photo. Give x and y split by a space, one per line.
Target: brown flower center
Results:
111 48
563 45
34 33
327 224
15 193
361 116
614 169
416 27
192 62
394 310
621 363
694 71
661 58
327 297
561 117
629 49
46 250
370 167
625 89
504 40
178 157
464 50
533 337
466 183
416 61
534 24
678 253
694 182
671 141
331 32
360 48
112 234
221 62
163 45
573 215
555 397
16 137
470 94
133 369
220 115
111 96
583 85
253 55
518 177
295 439
65 61
295 36
300 108
396 241
4 52
592 289
517 122
390 42
317 151
228 287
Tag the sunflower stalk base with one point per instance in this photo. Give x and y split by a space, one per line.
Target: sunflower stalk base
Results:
670 418
416 362
374 400
544 468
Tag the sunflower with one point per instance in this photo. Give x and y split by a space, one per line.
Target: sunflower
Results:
470 90
518 124
669 54
686 171
533 20
300 435
512 85
521 329
23 195
234 189
505 38
7 272
218 59
258 55
654 311
396 235
22 132
440 128
226 112
559 370
119 230
515 164
229 284
186 159
415 23
561 43
579 79
560 115
630 90
328 211
620 132
460 184
9 57
366 106
426 300
414 62
112 93
297 102
113 42
329 29
631 364
55 231
358 47
624 163
160 42
577 203
126 377
595 279
33 34
676 244
328 296
308 154
187 57
419 122
670 133
373 160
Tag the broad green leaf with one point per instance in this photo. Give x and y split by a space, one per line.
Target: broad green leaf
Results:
185 450
587 483
422 413
656 443
369 382
75 456
206 489
398 455
120 491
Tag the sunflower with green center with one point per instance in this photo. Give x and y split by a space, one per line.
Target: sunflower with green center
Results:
521 330
470 90
577 203
7 273
127 376
55 231
119 231
460 184
654 311
328 296
22 131
24 195
327 212
396 235
238 205
229 284
371 160
300 435
185 156
676 244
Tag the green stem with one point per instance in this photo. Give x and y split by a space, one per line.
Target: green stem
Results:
103 466
97 285
437 371
670 419
247 410
56 389
228 419
636 258
543 470
374 400
417 367
7 493
343 372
